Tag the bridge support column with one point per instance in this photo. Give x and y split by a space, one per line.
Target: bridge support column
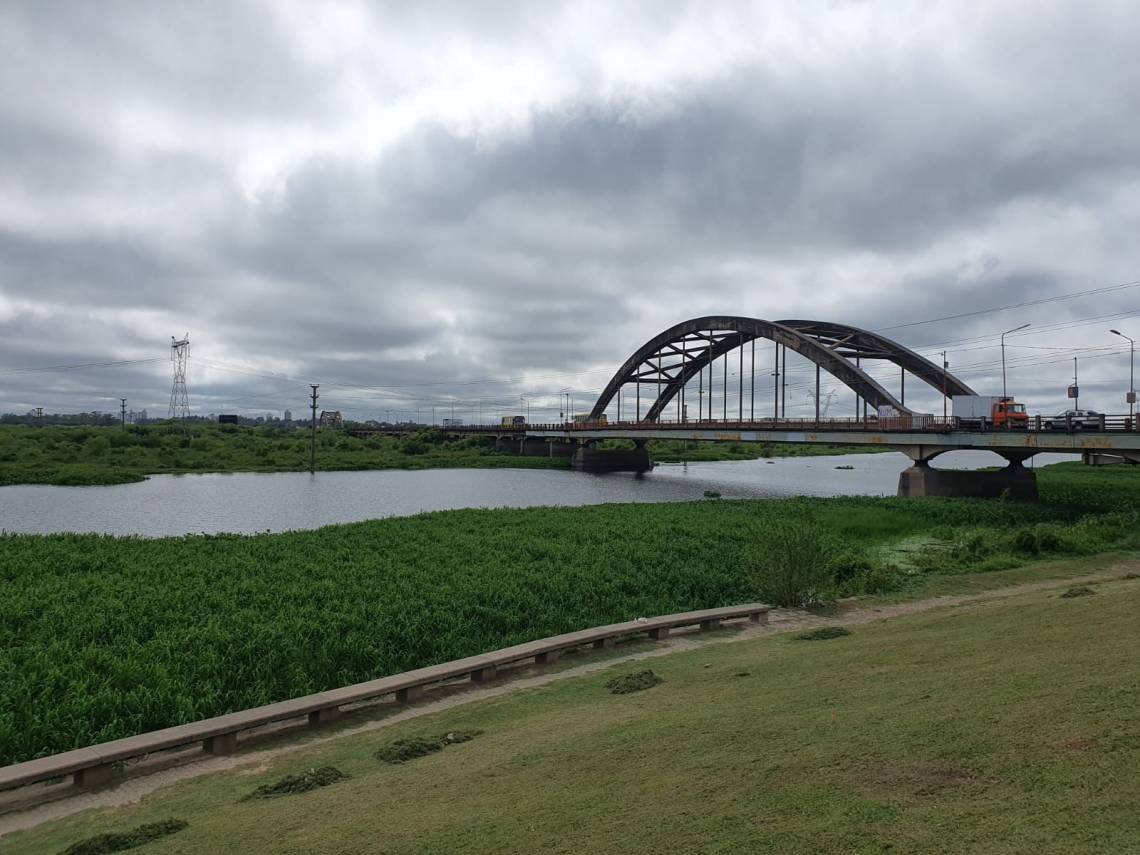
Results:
587 458
537 447
1013 482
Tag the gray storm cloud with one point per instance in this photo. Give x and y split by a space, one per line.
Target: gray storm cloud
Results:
476 202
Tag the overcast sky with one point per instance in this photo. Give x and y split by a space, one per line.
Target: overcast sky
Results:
477 201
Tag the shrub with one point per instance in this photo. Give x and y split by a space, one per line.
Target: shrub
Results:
792 565
106 843
311 780
637 682
403 750
1025 540
823 633
1077 592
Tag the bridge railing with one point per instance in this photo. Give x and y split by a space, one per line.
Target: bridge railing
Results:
903 423
906 424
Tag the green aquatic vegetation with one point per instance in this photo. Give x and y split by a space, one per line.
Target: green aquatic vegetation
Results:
86 456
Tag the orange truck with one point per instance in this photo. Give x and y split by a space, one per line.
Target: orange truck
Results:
997 410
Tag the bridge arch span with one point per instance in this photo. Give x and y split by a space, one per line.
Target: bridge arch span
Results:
851 342
672 358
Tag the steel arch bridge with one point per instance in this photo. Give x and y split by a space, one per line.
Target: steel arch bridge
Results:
671 359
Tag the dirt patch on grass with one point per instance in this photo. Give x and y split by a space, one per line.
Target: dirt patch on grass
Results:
1077 592
636 682
105 843
403 750
311 780
823 633
1084 744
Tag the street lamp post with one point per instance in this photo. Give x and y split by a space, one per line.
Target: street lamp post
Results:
1003 335
1131 372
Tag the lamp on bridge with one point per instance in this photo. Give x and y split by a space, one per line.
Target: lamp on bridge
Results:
1131 372
1003 335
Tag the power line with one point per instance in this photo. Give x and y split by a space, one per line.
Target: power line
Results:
82 365
1024 304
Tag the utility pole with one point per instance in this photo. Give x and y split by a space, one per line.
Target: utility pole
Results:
1003 335
1076 387
313 431
945 366
123 411
1131 396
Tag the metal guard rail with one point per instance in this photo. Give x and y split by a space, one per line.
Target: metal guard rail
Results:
94 765
904 424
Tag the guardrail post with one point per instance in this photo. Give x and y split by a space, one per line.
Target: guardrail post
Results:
659 633
412 693
759 617
318 717
223 743
604 643
95 776
482 675
1100 422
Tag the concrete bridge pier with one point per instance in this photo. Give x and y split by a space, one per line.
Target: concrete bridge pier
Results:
535 447
589 458
1013 481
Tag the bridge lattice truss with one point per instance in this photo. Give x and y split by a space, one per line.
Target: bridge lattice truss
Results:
670 360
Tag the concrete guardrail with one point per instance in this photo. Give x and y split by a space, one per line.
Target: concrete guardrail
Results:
95 765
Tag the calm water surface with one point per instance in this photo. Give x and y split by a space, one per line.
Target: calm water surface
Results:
249 502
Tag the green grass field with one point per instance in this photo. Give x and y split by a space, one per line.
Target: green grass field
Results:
1008 726
95 631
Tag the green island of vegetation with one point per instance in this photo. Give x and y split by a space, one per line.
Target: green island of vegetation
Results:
103 637
101 455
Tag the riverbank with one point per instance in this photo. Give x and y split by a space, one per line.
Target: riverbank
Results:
89 456
878 740
96 629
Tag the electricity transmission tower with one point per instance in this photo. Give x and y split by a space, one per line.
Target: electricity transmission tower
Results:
179 396
824 401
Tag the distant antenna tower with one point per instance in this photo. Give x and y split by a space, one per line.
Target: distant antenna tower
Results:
179 396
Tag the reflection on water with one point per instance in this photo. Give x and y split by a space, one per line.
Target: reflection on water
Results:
248 502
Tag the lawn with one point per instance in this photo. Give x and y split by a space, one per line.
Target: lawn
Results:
1006 726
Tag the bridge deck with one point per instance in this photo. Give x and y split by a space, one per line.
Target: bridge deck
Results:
1119 434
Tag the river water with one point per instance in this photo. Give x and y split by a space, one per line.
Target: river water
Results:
249 502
